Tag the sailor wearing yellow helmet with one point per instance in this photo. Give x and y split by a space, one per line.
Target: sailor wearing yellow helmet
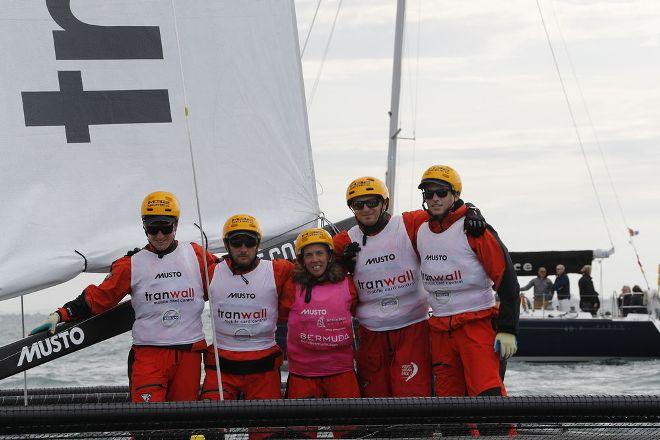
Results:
245 291
393 306
319 301
459 272
165 359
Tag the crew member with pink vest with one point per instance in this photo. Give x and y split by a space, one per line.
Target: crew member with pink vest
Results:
166 282
469 335
245 292
319 301
393 306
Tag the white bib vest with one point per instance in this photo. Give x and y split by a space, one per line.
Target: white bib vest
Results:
245 314
387 279
168 297
451 272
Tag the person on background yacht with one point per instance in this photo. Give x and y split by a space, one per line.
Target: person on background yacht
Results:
469 334
319 302
542 289
167 286
393 307
589 301
562 286
623 296
638 301
245 292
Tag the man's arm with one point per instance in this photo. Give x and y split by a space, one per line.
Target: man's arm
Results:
282 270
412 221
211 261
286 300
340 242
495 259
528 285
96 299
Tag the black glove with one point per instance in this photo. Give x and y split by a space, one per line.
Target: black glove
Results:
474 223
349 256
133 252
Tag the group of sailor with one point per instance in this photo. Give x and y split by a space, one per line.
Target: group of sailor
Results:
388 271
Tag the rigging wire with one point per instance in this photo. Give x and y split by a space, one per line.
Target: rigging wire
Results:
199 211
309 31
325 55
600 149
25 385
575 127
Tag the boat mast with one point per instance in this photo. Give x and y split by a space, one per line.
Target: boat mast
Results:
390 175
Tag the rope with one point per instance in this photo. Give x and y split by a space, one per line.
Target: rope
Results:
575 127
325 55
84 258
311 26
199 211
600 149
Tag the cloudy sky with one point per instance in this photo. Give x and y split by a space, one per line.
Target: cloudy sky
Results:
484 97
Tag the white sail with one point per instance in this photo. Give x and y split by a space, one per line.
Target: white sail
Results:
92 119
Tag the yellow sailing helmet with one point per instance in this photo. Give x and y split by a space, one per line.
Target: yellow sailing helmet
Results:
313 236
442 174
243 223
160 204
364 186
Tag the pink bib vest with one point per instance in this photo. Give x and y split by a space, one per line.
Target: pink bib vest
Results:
320 337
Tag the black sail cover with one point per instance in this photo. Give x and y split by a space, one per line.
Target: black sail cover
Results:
528 263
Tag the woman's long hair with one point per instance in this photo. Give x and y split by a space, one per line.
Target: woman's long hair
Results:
333 274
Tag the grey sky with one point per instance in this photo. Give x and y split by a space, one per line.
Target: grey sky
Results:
490 105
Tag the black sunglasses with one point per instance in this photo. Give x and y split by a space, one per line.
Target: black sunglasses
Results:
241 240
442 193
359 204
165 229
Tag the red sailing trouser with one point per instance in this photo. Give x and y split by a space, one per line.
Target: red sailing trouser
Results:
394 363
252 386
163 374
337 386
342 385
255 386
464 362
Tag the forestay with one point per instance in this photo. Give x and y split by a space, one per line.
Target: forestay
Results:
92 119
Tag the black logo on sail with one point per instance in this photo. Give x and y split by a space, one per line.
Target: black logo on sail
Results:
75 108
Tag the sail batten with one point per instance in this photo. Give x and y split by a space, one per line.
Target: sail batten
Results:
93 119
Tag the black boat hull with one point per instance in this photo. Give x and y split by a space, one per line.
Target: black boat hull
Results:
566 340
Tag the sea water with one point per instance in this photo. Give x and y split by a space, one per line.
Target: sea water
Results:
106 364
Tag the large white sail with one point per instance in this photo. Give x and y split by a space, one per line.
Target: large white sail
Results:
92 119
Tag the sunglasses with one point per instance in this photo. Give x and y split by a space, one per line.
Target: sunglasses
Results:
165 229
359 204
246 240
441 193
